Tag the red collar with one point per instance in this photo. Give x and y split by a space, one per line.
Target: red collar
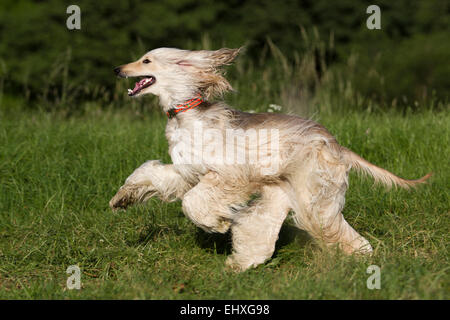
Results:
195 102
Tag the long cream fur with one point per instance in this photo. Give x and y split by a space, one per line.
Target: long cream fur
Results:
304 171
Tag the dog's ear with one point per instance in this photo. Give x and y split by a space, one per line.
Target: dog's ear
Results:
206 59
224 56
204 68
184 63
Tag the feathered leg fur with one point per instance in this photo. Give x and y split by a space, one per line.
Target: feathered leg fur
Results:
150 179
213 203
255 229
318 197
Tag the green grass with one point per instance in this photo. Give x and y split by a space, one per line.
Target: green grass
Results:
58 174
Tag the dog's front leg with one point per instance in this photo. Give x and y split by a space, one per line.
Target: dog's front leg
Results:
214 202
150 179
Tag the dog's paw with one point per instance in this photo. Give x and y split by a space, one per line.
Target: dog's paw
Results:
121 200
222 226
130 194
232 264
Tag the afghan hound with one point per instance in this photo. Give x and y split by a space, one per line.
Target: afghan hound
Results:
242 171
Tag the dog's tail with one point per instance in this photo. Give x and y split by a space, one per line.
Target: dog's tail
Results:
379 174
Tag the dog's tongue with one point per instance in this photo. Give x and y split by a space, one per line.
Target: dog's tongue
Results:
138 86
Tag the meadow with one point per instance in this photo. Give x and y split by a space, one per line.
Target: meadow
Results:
59 170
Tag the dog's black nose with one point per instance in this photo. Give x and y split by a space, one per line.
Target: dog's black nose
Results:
117 70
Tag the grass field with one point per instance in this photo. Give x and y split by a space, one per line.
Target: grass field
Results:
58 174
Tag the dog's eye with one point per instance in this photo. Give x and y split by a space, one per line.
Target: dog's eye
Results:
146 61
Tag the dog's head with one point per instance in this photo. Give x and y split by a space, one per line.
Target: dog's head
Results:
178 75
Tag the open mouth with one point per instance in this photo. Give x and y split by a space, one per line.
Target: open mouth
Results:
145 82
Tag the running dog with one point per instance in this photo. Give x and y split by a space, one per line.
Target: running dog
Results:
223 157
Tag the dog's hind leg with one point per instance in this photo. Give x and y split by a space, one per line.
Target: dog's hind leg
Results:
255 230
214 202
150 179
319 195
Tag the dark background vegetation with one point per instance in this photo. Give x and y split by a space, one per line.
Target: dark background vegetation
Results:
404 63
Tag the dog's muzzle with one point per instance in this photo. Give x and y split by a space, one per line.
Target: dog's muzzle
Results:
119 73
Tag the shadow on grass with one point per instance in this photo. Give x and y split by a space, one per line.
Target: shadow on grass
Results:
153 232
289 234
222 243
214 242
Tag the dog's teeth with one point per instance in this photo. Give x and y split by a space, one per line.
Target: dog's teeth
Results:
130 91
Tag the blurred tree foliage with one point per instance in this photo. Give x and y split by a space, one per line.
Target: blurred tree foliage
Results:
41 57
